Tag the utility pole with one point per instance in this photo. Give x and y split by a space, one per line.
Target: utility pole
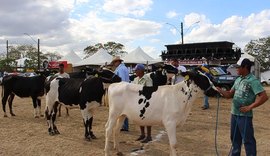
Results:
7 49
182 33
38 51
38 55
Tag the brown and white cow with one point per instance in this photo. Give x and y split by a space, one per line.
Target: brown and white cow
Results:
167 105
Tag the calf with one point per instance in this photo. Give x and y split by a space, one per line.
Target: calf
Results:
23 87
167 105
85 93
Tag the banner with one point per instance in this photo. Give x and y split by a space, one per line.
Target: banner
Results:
55 64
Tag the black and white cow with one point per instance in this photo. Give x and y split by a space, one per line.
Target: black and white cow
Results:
23 87
84 73
85 93
167 105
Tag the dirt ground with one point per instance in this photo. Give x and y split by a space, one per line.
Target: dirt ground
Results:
25 135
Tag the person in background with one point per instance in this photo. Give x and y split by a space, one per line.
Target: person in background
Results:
61 72
247 93
177 77
122 71
206 71
144 80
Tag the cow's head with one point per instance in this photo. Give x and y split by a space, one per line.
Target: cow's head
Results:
202 81
107 76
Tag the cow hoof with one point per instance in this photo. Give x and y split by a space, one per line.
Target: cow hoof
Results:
51 133
41 115
36 116
119 154
56 132
93 136
5 116
87 138
12 114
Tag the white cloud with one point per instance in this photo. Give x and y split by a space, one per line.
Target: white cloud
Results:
237 29
171 14
128 7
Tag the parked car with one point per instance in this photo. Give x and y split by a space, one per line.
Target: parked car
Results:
265 81
221 78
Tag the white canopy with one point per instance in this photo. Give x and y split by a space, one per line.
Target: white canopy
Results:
137 56
71 57
101 57
21 61
248 56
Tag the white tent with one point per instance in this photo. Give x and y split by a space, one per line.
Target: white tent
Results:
21 61
137 56
71 57
248 56
101 57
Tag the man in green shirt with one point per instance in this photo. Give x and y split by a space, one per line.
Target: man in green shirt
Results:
247 94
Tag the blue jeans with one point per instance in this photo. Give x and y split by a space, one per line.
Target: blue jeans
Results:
242 132
206 103
125 125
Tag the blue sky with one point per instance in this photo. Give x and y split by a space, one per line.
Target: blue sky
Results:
68 25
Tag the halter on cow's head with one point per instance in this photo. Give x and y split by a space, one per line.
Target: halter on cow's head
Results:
202 81
108 76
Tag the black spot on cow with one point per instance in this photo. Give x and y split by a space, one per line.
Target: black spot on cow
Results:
182 89
147 91
140 101
147 104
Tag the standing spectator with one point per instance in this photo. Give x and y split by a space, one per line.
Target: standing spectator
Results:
122 71
144 80
61 72
247 93
177 77
206 99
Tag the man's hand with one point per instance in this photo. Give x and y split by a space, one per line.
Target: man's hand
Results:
245 109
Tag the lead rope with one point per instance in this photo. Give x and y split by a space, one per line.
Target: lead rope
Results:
216 129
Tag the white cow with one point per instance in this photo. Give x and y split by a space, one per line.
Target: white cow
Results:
164 105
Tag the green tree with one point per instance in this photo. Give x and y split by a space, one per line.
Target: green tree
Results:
21 51
260 49
113 48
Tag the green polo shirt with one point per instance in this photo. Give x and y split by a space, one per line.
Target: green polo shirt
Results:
246 88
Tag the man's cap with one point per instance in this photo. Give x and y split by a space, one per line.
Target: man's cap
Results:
242 62
116 58
139 67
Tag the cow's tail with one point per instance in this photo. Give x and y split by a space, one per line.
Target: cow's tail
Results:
2 94
106 99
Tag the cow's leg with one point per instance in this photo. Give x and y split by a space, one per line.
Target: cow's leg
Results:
116 132
48 115
10 100
59 111
39 107
109 129
54 114
92 135
34 100
4 102
51 116
171 131
86 120
67 111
